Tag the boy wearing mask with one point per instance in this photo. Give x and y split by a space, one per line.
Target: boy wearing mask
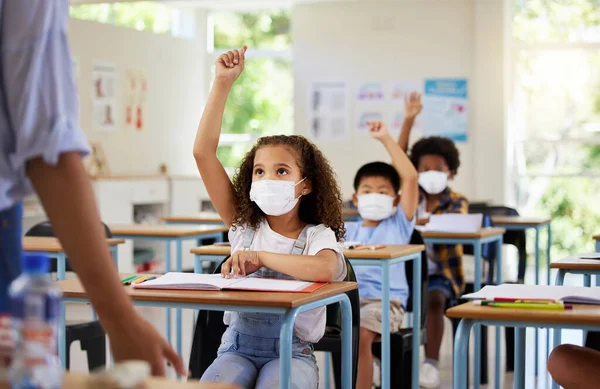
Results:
386 218
437 161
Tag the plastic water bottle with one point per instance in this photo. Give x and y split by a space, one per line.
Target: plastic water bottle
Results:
34 308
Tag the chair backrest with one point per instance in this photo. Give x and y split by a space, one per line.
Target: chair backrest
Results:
493 210
45 229
417 239
210 328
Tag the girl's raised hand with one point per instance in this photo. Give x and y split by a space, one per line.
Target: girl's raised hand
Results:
230 65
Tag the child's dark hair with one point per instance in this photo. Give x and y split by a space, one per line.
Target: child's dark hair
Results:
378 169
436 145
323 205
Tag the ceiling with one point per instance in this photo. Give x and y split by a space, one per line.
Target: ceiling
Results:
218 4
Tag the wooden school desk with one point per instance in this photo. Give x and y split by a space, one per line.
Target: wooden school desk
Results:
520 223
208 218
168 234
52 248
287 304
81 381
477 240
586 317
384 258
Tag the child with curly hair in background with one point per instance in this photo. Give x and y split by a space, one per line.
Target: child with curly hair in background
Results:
284 210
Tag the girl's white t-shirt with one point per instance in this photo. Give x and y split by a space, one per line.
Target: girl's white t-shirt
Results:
310 325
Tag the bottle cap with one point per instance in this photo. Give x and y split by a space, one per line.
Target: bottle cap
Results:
35 263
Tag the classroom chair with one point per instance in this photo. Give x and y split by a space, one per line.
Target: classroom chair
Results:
210 328
401 341
90 335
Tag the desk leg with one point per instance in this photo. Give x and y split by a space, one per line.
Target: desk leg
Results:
498 328
519 358
416 346
285 349
61 265
560 279
598 246
179 254
168 269
326 370
587 280
62 334
346 342
537 282
385 326
461 354
548 253
477 286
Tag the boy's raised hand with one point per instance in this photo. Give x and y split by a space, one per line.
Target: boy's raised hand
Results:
412 105
230 65
378 130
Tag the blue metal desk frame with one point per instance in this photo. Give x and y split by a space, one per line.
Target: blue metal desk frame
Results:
477 244
178 240
285 334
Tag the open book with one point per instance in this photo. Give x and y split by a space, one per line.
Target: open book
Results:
566 294
192 281
455 222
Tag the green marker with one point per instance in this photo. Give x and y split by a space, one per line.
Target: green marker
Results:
127 281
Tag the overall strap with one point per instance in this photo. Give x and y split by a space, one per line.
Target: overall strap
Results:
300 243
248 237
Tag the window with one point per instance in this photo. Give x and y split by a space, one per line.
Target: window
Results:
260 102
142 16
556 117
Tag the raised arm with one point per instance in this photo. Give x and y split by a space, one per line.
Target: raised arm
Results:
409 199
229 66
412 107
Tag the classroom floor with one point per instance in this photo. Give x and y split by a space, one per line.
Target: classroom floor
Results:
78 312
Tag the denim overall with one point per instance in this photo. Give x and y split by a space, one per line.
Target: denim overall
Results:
249 351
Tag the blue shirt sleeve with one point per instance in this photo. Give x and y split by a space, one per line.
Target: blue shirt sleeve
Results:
37 81
402 224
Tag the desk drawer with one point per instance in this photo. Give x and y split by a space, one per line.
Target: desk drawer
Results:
150 191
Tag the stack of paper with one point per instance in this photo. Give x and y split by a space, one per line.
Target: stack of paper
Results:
566 294
455 222
191 281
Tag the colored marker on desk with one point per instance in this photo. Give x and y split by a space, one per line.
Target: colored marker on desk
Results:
549 306
128 280
143 279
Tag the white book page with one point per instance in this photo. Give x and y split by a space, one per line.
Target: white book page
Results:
455 222
270 284
518 291
174 280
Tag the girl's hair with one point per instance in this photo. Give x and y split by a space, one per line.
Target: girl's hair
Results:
321 206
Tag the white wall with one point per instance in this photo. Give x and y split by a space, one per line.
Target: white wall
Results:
176 84
385 40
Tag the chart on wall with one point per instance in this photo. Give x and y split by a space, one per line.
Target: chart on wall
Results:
328 111
445 108
136 89
399 92
104 101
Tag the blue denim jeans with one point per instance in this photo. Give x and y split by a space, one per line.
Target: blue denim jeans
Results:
10 250
249 355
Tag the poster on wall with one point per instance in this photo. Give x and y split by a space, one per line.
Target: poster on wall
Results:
328 111
365 116
445 109
399 92
104 101
136 88
370 92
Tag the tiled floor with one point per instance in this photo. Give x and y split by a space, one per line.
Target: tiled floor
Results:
157 317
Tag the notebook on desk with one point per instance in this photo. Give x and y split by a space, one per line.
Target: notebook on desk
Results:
566 294
454 222
191 281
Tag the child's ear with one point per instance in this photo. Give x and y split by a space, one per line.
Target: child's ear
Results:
307 187
355 200
396 200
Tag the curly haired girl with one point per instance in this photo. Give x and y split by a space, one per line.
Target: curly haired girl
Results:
284 210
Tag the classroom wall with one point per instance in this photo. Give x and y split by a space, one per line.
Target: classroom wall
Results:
176 83
405 40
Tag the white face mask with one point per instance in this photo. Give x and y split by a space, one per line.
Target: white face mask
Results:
375 206
433 182
274 197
